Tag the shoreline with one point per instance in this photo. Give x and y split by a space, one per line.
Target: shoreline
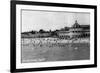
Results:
52 41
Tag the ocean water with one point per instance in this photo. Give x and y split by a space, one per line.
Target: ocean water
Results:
43 50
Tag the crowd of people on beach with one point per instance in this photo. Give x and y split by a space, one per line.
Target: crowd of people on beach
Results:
51 41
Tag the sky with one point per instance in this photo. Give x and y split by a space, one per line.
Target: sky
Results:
51 20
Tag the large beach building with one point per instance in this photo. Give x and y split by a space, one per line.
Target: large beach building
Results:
76 31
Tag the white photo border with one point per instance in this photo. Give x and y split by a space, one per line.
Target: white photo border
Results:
51 64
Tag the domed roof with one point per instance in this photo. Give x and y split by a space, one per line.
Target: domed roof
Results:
76 25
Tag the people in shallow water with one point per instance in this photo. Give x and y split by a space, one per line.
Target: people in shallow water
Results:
51 42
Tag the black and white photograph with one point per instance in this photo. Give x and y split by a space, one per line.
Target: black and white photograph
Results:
51 36
55 36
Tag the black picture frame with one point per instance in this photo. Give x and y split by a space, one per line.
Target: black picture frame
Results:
13 35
